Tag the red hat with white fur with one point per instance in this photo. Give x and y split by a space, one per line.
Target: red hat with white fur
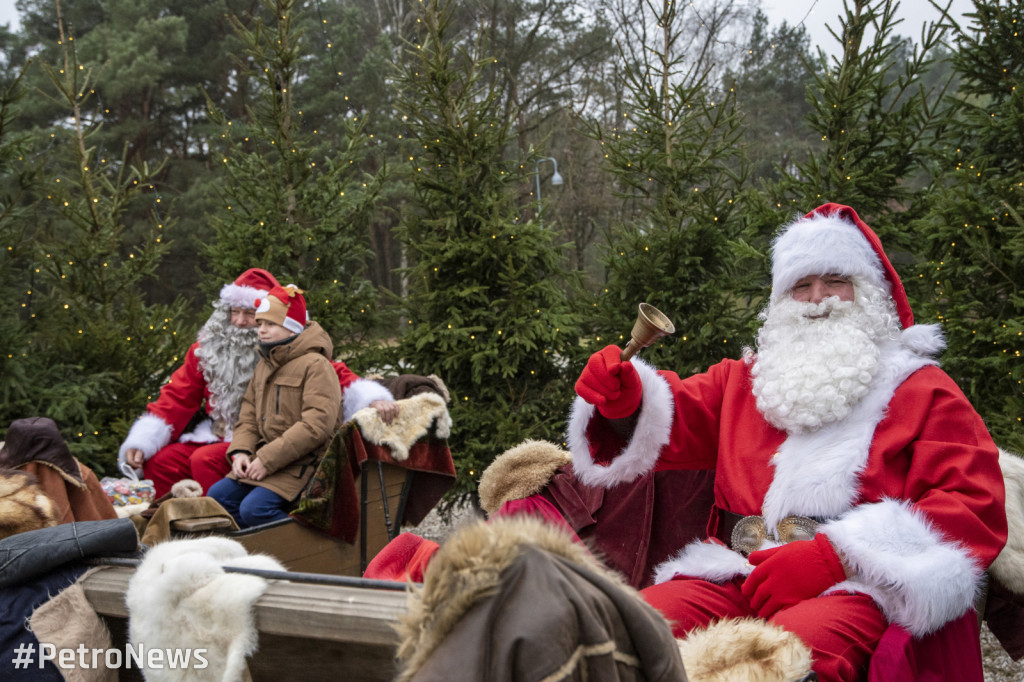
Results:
284 306
832 239
252 284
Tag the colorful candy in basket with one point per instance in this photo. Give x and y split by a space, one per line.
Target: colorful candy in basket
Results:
129 489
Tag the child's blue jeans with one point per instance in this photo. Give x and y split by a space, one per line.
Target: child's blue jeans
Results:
250 505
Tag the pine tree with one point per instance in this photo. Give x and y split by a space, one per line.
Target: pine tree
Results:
487 310
676 159
96 349
294 201
973 278
877 117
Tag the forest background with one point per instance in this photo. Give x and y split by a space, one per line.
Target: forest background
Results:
485 190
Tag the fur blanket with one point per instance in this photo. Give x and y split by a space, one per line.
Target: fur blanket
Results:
23 504
417 416
1008 567
181 598
744 650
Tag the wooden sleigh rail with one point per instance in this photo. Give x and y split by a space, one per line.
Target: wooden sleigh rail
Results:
327 631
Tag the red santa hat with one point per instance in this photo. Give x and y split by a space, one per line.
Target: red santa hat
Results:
252 284
832 239
284 306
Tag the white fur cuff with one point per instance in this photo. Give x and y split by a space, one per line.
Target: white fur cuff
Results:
359 394
149 433
708 560
653 431
920 580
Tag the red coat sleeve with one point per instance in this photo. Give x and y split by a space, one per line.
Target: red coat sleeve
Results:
182 396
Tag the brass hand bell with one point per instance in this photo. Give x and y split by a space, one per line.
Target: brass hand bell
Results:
651 324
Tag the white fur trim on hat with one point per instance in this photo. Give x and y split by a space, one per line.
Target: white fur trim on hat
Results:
653 431
919 579
238 296
149 433
823 245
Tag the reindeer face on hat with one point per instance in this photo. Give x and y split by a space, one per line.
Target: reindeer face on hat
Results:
283 306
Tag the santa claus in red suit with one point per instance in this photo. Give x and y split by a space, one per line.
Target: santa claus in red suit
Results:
855 485
185 432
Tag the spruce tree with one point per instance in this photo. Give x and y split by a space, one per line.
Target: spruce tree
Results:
97 350
294 200
487 310
877 116
972 280
675 156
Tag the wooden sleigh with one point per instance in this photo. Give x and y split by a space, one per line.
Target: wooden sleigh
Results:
323 619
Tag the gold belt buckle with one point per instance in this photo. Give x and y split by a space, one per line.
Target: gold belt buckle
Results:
750 532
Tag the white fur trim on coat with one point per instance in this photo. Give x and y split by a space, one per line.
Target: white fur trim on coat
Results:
818 473
149 433
181 598
653 431
359 394
202 433
919 579
707 560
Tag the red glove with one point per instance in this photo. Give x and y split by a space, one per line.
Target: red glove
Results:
791 573
610 384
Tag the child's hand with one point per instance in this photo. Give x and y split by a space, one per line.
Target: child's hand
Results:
257 472
240 465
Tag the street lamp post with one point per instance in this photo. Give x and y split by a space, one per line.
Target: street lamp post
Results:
556 179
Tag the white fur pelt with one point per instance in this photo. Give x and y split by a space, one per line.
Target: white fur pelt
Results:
181 598
417 416
1008 567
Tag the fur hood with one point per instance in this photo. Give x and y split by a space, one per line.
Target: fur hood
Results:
520 472
517 599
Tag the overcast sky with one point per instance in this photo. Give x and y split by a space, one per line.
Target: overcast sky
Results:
815 14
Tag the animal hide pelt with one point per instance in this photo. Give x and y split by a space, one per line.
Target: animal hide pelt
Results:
417 417
1008 567
23 504
744 650
181 598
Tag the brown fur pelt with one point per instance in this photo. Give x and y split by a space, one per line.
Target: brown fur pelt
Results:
744 650
23 504
466 570
520 472
1008 568
417 416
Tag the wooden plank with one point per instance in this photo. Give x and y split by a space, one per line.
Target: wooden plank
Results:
331 613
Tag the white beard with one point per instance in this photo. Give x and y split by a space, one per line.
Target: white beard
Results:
227 357
812 372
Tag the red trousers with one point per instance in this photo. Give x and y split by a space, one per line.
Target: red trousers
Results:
206 463
842 630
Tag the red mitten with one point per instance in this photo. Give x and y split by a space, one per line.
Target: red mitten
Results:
610 384
791 573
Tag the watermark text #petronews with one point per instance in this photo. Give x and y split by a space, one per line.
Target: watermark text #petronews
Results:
86 659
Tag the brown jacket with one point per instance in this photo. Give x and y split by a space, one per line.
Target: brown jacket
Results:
290 411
